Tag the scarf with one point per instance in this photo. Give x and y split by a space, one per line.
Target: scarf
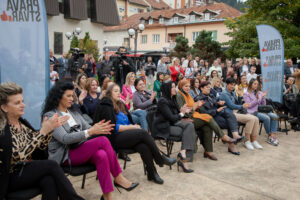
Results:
190 103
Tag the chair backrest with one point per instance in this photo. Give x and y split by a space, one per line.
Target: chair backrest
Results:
150 117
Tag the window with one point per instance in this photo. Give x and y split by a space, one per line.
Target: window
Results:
144 39
161 20
175 19
178 4
58 43
133 10
143 21
214 35
140 10
150 21
195 35
61 6
192 18
126 42
155 38
207 16
121 9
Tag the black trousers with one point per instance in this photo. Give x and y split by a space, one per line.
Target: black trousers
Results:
48 176
298 105
142 142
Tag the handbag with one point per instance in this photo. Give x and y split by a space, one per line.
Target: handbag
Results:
289 97
265 109
242 111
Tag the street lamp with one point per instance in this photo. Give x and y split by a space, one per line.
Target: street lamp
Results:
133 32
76 32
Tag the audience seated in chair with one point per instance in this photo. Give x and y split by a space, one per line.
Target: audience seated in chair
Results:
142 99
20 170
126 135
77 143
168 120
202 121
224 118
234 102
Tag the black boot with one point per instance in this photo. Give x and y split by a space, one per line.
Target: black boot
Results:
155 178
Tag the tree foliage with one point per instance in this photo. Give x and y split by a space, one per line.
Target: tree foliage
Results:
74 42
206 48
237 4
284 15
89 45
182 47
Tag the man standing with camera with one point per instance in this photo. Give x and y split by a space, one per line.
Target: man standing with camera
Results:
122 66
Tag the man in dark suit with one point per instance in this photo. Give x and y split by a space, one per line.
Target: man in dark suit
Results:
289 68
122 66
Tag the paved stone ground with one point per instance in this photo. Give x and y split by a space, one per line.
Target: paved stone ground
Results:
271 173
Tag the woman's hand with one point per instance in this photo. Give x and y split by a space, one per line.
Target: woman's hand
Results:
221 103
52 123
153 95
184 109
82 96
135 126
221 108
101 128
264 94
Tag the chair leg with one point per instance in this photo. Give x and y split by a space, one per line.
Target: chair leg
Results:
261 124
125 161
286 130
145 172
83 181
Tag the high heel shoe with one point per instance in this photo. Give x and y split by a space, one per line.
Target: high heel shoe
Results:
241 139
183 159
131 187
237 153
229 141
101 198
155 178
185 170
211 157
168 161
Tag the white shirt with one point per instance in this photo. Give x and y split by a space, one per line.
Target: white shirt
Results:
251 76
132 89
292 69
54 77
213 68
245 69
71 120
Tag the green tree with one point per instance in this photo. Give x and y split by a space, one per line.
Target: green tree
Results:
182 47
74 42
89 45
206 48
283 15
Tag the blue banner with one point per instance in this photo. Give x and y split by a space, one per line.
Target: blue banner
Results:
24 52
272 61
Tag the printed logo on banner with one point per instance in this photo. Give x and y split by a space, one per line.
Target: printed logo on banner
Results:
21 11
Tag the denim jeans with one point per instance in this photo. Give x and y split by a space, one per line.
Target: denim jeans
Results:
139 117
269 120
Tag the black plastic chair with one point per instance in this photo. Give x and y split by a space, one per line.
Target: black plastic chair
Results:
80 170
125 152
283 117
23 194
241 126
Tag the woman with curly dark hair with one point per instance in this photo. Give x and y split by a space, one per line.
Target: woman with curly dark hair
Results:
77 142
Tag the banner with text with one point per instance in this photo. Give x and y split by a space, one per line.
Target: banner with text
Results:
272 61
24 53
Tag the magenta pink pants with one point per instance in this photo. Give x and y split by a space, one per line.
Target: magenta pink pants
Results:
98 151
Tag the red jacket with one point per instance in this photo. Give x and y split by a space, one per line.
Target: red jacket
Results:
174 73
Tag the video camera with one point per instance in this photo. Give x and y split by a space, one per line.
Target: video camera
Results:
76 60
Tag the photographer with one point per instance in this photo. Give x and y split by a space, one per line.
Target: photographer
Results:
122 65
76 63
